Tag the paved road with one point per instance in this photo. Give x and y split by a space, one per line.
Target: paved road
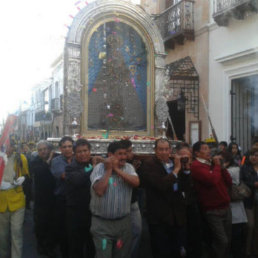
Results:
29 246
29 241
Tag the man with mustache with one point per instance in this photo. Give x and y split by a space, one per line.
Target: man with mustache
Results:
111 190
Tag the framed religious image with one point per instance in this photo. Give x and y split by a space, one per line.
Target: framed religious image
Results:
194 131
116 74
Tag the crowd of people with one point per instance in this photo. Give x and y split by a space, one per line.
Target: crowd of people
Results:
197 202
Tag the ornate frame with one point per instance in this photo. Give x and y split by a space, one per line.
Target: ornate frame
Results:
82 27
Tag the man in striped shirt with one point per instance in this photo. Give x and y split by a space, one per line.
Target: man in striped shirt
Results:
112 183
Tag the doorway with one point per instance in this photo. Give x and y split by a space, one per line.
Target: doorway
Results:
177 115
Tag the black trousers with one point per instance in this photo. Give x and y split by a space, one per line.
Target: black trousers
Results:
78 221
60 226
238 245
194 232
166 240
44 228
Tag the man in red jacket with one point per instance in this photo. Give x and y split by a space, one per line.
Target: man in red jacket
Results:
212 182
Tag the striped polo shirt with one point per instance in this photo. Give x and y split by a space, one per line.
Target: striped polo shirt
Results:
116 201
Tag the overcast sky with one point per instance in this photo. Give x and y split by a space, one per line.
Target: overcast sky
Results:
32 36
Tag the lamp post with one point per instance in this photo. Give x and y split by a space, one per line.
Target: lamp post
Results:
163 129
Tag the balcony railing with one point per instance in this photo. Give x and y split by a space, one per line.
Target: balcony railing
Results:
224 9
55 104
43 116
177 22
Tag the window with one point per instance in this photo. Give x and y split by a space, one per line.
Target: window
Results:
244 109
56 89
46 98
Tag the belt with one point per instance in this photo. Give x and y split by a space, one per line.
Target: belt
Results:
99 217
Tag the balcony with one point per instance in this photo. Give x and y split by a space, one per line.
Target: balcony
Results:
43 116
55 105
176 23
225 9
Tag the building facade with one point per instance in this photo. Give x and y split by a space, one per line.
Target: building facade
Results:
56 97
212 45
184 27
233 65
44 116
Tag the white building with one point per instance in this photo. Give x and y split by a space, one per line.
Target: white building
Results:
233 70
56 92
42 126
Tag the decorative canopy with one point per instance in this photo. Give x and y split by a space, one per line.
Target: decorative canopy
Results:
183 85
183 69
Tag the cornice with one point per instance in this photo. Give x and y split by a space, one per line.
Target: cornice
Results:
237 55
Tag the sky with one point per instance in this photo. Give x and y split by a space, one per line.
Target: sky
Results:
32 37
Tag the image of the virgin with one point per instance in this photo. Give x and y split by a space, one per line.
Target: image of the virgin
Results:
114 103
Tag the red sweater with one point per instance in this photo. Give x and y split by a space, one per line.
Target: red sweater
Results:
211 184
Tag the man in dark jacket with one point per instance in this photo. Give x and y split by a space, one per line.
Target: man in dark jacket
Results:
44 201
58 166
77 191
166 204
194 234
249 176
